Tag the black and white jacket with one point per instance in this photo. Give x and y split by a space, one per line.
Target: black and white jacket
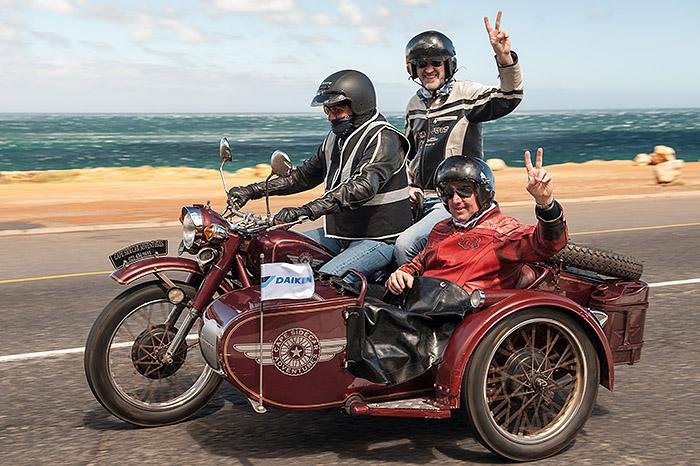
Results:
365 180
450 124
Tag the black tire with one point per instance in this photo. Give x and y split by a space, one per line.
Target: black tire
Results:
508 374
119 365
604 262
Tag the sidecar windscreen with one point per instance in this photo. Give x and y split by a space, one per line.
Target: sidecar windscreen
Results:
392 342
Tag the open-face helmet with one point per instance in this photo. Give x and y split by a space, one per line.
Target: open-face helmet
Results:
431 45
347 86
470 169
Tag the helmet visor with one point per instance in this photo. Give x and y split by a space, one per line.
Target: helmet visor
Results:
328 99
448 189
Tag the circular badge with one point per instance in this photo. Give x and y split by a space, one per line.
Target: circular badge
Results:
295 351
306 257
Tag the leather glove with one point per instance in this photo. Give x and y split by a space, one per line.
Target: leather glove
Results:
239 195
292 214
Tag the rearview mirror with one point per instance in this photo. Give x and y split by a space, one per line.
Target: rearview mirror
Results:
225 150
280 163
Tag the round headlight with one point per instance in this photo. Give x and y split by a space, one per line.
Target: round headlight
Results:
191 221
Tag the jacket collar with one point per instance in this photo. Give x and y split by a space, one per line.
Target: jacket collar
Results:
469 224
342 142
425 95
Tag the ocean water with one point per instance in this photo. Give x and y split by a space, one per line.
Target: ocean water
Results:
65 141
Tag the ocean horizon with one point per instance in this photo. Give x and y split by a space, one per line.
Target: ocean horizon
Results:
59 141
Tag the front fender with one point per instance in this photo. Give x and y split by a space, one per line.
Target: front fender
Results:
467 336
132 272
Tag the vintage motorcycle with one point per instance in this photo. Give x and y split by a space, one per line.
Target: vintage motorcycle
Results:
524 363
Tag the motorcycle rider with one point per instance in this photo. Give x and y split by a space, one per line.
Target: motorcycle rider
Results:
444 118
478 246
362 163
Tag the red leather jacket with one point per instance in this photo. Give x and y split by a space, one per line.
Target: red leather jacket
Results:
490 254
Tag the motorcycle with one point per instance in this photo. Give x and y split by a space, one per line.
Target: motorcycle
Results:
524 363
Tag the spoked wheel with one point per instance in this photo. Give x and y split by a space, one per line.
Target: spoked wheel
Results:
124 362
531 384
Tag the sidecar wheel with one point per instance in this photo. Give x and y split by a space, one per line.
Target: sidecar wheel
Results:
530 385
122 362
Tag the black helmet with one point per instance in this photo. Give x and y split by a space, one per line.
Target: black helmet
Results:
463 168
431 45
347 85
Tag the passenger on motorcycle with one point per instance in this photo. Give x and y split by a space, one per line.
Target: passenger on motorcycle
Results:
444 118
362 165
478 246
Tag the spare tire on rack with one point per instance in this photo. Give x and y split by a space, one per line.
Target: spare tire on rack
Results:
608 263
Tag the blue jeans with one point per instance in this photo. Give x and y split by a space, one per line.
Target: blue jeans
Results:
413 240
364 255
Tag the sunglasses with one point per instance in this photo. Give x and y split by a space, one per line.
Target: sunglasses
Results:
425 63
336 110
446 192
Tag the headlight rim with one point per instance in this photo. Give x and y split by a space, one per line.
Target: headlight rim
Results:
192 225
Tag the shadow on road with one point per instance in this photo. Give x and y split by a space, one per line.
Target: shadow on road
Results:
101 420
239 433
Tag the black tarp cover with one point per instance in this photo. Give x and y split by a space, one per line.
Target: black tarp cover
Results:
395 341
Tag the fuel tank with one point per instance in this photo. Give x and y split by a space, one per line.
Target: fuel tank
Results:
286 246
302 352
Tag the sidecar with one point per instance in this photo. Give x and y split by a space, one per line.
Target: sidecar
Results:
524 364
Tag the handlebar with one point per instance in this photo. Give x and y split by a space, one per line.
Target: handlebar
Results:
252 223
301 219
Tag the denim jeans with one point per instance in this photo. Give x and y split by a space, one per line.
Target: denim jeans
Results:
364 255
413 240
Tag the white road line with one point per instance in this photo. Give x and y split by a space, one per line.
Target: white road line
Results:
48 354
674 282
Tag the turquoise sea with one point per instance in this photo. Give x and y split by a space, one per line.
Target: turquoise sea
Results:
63 141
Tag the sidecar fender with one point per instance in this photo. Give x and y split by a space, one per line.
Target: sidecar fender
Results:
469 333
132 272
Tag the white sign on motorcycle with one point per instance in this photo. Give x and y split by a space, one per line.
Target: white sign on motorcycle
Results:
281 280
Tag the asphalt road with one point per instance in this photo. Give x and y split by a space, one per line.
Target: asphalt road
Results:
48 414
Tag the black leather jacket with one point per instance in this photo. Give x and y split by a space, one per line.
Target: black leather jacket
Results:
365 179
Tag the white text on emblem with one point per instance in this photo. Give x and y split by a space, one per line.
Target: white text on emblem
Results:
295 351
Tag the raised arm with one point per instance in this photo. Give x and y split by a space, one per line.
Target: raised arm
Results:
500 40
539 182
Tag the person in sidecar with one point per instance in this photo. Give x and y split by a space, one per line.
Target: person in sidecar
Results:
362 163
444 118
478 246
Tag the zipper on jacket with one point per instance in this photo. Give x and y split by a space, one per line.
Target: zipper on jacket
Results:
421 164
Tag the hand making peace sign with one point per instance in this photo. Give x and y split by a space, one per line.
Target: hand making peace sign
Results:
500 41
539 182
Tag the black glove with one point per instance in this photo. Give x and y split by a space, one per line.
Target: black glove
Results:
239 195
292 214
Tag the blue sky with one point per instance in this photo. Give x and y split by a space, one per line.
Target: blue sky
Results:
269 56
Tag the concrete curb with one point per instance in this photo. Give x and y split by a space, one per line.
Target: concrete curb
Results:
143 225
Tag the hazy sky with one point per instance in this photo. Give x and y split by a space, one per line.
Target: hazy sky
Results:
270 55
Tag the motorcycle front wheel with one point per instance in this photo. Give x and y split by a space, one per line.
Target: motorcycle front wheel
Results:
123 359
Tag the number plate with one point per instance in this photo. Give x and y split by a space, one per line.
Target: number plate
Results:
138 251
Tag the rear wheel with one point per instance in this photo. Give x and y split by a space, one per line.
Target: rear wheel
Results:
530 385
124 364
